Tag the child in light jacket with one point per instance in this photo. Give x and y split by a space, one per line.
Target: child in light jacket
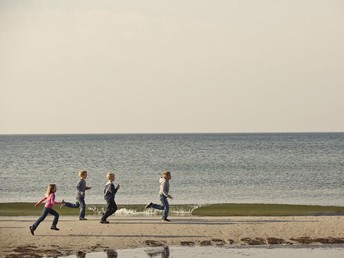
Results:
163 195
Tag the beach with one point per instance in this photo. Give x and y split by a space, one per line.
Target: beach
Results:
230 190
131 232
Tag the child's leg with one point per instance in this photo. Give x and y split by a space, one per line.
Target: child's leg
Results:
56 217
111 209
45 213
72 205
114 208
82 204
157 206
166 205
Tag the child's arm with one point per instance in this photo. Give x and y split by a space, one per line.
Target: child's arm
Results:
53 200
40 201
88 187
163 189
114 189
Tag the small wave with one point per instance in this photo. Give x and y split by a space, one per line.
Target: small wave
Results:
182 210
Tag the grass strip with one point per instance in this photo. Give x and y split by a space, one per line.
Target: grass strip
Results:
28 209
266 210
226 209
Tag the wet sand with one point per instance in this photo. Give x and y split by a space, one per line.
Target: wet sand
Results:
218 252
131 232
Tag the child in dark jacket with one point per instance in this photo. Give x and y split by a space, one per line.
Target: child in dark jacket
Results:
80 196
109 196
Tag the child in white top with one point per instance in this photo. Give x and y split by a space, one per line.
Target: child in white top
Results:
163 195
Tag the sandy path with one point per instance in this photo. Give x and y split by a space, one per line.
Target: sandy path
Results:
130 232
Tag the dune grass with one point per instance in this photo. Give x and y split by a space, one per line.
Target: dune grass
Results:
266 210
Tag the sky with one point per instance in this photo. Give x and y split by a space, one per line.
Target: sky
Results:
181 66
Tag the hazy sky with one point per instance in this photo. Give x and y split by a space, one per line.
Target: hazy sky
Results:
158 66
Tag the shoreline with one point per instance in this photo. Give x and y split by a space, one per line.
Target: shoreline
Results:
136 232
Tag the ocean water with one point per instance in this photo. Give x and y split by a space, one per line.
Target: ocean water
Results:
296 168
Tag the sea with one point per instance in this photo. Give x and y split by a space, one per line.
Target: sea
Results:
283 168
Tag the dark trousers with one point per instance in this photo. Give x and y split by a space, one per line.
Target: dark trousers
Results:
110 209
45 213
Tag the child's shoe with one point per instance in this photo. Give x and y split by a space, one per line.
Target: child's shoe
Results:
82 219
63 203
165 220
32 230
148 205
104 222
54 228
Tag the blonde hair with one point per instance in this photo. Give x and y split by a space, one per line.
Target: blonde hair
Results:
110 175
166 173
51 189
82 173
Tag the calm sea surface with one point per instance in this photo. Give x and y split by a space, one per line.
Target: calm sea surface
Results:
298 168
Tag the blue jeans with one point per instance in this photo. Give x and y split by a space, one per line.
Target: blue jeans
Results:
80 202
45 213
164 206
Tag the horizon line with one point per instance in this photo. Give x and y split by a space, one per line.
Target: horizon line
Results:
175 133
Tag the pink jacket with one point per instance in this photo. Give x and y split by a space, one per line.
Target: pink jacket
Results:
50 201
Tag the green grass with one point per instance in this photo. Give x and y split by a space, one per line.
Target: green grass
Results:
28 209
266 210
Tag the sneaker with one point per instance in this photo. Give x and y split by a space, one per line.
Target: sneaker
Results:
148 205
32 230
54 228
165 220
82 219
104 222
62 204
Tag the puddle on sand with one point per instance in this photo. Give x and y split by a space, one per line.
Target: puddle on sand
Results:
219 252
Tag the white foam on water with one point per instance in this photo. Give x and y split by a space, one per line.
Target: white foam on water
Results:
187 210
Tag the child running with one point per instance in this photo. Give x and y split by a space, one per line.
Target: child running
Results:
48 209
109 196
80 196
163 195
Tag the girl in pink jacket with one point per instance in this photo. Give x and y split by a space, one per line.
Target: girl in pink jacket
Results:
48 209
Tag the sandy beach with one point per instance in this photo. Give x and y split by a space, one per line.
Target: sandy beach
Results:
130 232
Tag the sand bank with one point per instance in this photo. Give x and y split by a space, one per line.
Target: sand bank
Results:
131 232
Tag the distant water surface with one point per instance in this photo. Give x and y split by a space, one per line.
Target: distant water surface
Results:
297 168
